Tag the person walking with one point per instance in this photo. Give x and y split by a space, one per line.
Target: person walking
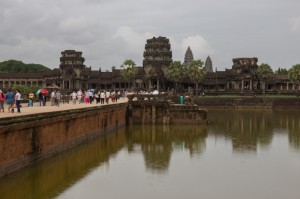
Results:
79 96
74 96
18 100
91 96
52 98
30 98
58 97
87 97
10 99
107 96
41 99
2 100
102 97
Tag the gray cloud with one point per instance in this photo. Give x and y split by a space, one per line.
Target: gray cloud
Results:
108 32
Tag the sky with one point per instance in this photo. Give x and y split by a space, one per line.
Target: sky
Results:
108 32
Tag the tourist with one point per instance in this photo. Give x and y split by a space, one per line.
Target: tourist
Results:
112 96
2 100
91 96
30 98
73 97
52 98
116 95
18 100
86 97
97 96
79 96
58 97
102 97
41 99
10 99
107 96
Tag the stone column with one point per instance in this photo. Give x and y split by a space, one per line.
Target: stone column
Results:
287 86
251 84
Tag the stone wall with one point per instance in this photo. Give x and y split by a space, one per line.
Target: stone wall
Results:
160 112
26 139
248 102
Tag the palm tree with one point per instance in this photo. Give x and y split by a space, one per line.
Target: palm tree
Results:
196 72
176 73
128 71
294 75
264 72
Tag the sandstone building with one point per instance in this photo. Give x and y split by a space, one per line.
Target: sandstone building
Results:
72 74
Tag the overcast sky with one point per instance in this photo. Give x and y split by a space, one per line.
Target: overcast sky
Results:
110 31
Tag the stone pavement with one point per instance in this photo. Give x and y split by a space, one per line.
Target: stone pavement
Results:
36 108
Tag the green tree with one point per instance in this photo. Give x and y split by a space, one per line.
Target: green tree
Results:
264 72
128 71
16 66
294 75
196 72
176 73
281 71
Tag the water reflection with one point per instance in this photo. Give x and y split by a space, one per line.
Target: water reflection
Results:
252 128
48 178
158 141
245 131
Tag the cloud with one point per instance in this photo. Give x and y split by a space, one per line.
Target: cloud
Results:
200 47
134 42
294 23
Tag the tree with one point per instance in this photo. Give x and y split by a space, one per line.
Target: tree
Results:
196 72
294 74
18 66
128 71
176 73
281 71
264 72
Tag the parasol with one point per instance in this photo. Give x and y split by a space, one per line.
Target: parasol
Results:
43 91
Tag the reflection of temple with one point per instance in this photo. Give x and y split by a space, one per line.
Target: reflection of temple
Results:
158 142
72 74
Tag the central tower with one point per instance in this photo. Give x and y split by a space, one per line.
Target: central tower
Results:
157 58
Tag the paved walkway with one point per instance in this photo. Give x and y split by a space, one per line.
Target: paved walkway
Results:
36 108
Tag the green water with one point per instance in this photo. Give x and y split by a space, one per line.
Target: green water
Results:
240 154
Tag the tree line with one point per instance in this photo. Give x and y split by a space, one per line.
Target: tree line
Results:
17 66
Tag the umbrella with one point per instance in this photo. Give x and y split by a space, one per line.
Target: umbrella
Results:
42 90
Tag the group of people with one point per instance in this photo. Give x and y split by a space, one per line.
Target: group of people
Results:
13 100
99 96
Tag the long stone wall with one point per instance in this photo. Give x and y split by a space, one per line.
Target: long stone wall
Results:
26 139
248 102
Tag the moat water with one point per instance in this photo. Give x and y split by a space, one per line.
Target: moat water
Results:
240 154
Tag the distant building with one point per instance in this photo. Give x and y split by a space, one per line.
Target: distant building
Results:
188 57
72 74
208 65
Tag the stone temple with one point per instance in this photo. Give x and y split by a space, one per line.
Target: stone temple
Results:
73 74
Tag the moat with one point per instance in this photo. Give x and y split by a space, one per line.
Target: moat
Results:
240 154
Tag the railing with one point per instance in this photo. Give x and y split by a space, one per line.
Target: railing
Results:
149 97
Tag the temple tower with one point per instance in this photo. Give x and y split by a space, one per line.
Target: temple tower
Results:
208 65
157 58
71 66
245 69
188 57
